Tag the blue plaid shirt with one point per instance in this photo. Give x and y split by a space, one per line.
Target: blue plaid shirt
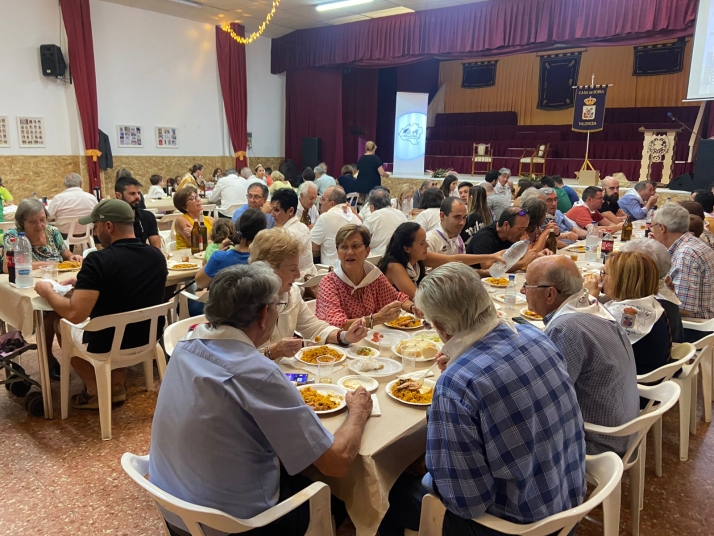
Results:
505 433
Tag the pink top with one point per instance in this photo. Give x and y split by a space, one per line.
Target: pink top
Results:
337 303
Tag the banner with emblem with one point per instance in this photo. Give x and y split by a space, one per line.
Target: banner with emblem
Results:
589 113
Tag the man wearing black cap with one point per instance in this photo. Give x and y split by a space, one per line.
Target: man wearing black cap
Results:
124 276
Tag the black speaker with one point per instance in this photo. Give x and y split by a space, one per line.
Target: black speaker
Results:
52 61
311 152
704 166
683 182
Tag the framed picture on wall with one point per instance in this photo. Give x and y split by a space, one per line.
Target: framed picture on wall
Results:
130 136
4 134
31 131
166 137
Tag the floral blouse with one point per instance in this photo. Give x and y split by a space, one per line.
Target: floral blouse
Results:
52 251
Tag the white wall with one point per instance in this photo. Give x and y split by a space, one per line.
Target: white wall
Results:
24 26
152 70
266 101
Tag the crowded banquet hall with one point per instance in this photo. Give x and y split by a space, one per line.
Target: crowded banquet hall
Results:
357 267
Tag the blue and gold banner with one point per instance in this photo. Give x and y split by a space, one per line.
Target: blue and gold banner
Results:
479 74
558 75
589 113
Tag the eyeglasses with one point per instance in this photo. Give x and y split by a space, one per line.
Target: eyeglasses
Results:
354 247
524 287
255 197
193 198
603 273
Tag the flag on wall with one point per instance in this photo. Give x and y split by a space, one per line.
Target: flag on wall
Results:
558 75
662 58
479 74
589 112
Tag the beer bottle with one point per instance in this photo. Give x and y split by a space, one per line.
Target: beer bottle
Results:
195 238
202 234
626 230
551 242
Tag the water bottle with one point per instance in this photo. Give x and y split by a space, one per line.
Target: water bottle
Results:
23 262
510 257
592 241
511 293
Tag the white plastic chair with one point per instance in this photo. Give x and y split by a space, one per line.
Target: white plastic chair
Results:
184 297
707 364
683 356
603 470
87 252
352 199
230 208
167 223
6 226
194 516
72 346
85 240
667 394
178 330
374 259
312 282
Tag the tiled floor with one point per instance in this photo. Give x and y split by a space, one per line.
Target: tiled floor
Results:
60 478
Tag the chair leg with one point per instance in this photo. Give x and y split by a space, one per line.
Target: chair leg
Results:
685 402
103 372
160 361
706 368
65 364
693 404
611 512
635 476
149 374
657 440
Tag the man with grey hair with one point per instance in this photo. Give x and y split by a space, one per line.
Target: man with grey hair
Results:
505 433
692 270
637 202
335 213
496 203
231 192
70 204
382 220
257 198
569 230
307 211
322 180
502 186
228 413
599 356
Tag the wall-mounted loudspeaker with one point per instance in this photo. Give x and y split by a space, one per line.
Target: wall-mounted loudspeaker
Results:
52 61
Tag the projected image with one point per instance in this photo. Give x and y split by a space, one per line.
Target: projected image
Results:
706 83
701 73
411 136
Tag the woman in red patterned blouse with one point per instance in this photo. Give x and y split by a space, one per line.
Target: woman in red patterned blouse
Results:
357 289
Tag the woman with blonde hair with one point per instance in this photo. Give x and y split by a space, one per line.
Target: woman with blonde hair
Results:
479 215
370 170
405 199
279 182
631 281
281 250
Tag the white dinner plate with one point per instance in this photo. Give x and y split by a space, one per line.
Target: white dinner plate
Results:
199 255
501 297
589 265
171 264
501 314
329 390
298 355
428 335
352 352
487 281
433 344
391 367
385 331
523 314
429 384
355 381
420 326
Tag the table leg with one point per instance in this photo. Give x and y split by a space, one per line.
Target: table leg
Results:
44 365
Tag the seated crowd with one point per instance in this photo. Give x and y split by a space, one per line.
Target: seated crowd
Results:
505 432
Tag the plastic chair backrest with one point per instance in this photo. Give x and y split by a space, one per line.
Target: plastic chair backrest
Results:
682 354
87 238
6 226
374 259
666 393
178 330
185 297
352 199
87 252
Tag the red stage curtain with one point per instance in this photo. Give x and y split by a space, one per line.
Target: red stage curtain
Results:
80 44
313 109
232 72
359 109
497 27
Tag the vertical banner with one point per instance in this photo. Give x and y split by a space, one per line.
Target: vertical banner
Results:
410 133
589 113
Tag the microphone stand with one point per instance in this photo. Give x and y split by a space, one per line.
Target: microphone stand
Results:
669 114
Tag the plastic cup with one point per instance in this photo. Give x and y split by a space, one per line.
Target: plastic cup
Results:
385 345
325 368
409 357
49 272
185 255
574 257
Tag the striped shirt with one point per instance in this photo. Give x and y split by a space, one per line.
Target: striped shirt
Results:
692 274
505 433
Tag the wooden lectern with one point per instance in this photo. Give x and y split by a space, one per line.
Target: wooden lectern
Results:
658 147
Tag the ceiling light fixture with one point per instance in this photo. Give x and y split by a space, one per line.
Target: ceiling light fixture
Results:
340 5
188 3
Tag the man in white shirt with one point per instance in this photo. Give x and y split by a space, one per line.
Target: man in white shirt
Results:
307 211
446 238
431 200
322 180
285 203
247 174
382 221
334 214
231 192
72 203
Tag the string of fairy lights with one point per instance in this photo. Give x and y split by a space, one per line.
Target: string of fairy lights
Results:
255 35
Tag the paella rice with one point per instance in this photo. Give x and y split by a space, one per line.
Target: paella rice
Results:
319 401
310 355
404 321
421 396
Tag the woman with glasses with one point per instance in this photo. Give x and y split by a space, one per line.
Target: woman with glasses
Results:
187 201
356 290
631 281
281 250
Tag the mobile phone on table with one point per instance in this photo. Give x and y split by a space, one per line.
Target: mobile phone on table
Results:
520 320
299 379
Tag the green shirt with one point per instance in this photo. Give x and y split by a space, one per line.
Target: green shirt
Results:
5 194
210 250
564 204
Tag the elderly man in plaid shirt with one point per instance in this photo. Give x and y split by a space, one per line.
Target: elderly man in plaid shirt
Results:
692 264
505 433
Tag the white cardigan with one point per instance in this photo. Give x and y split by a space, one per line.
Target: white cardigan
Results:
298 317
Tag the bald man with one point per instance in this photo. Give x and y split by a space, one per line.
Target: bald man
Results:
611 195
597 352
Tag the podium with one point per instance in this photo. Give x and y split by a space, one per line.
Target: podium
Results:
658 146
